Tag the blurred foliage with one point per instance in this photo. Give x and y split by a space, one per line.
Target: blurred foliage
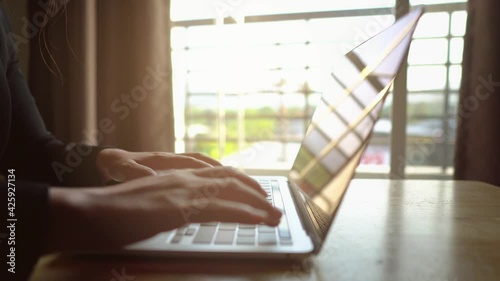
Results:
261 129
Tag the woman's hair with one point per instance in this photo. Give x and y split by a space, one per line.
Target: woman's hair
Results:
53 10
56 9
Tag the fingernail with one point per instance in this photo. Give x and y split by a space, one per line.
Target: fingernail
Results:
273 221
261 214
277 213
118 176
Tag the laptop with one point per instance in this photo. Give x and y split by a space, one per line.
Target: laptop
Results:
329 154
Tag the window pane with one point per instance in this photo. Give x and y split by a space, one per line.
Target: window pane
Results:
458 23
455 77
292 56
425 105
314 100
202 59
456 50
294 104
202 104
378 152
202 82
353 31
178 36
255 106
453 104
262 128
423 145
207 35
433 25
201 125
428 51
293 80
283 32
421 78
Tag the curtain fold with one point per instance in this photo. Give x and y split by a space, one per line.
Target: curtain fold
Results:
114 57
477 154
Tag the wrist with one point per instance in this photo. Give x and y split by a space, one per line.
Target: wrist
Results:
69 211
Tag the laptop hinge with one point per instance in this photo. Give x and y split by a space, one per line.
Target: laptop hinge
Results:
305 218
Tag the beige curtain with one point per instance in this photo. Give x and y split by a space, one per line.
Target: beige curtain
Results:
114 57
478 135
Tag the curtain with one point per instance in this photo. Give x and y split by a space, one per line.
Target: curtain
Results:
477 154
109 82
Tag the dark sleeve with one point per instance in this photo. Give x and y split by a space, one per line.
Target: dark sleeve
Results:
39 160
26 228
34 152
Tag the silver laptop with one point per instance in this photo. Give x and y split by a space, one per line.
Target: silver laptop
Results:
332 148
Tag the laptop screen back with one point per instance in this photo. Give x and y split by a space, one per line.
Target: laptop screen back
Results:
344 119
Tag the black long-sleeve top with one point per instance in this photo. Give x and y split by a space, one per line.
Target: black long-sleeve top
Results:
37 158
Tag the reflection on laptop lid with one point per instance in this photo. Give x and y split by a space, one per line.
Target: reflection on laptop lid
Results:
344 119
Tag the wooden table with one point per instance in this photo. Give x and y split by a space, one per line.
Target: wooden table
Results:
384 230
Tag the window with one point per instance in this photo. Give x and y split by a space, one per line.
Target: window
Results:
248 74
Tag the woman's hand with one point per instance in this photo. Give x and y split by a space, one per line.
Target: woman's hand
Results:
110 217
121 165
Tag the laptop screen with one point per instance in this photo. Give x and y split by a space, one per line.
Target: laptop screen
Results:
344 119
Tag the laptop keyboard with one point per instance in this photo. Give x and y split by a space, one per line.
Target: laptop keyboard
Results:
218 233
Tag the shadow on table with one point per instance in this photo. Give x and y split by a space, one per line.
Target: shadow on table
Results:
119 268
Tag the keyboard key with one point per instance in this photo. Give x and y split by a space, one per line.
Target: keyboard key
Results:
246 226
177 239
190 231
204 235
283 230
284 234
265 228
267 239
245 240
181 231
224 237
246 232
228 226
278 201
